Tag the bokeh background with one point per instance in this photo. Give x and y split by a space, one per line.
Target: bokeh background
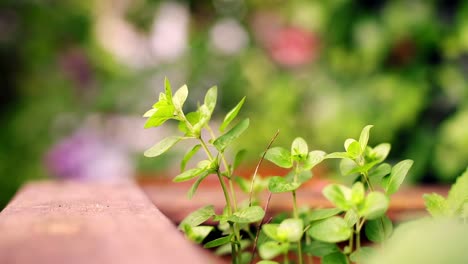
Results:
76 76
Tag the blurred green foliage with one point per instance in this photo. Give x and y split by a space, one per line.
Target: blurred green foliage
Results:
400 65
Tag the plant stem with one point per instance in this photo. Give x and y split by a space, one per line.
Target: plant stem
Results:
296 215
286 258
309 257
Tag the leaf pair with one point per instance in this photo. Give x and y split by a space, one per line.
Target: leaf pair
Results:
299 152
372 206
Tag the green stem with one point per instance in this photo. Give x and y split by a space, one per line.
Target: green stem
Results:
296 215
286 258
309 257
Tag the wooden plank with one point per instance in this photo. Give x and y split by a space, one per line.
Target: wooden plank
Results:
66 222
405 204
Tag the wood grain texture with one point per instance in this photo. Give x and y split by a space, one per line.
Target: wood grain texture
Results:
71 223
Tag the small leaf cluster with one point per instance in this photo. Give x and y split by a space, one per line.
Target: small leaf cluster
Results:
456 203
235 218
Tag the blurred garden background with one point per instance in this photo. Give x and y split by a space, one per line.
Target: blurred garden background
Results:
77 75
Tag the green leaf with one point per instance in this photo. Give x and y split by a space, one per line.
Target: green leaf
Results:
247 215
279 156
163 146
210 98
375 205
188 156
332 230
436 205
218 242
162 113
271 249
299 149
271 231
189 174
319 214
278 184
379 230
338 195
351 218
347 167
240 156
458 194
392 182
290 230
376 175
167 88
338 155
380 152
197 233
361 255
320 249
364 137
223 141
226 249
231 115
314 158
179 97
357 193
354 149
335 258
192 118
150 112
195 185
267 262
199 216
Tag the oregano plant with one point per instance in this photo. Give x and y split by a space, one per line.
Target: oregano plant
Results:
192 125
316 232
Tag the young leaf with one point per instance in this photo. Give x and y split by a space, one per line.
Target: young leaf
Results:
162 146
314 158
240 155
392 182
271 231
375 205
299 149
150 112
361 255
179 97
195 185
210 98
167 88
279 156
188 156
248 215
376 175
290 230
335 258
351 218
338 155
198 233
162 113
354 149
379 230
347 167
189 174
271 249
320 249
267 262
223 141
278 184
381 151
319 214
364 137
199 216
338 195
218 242
436 205
332 230
231 115
357 193
458 194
